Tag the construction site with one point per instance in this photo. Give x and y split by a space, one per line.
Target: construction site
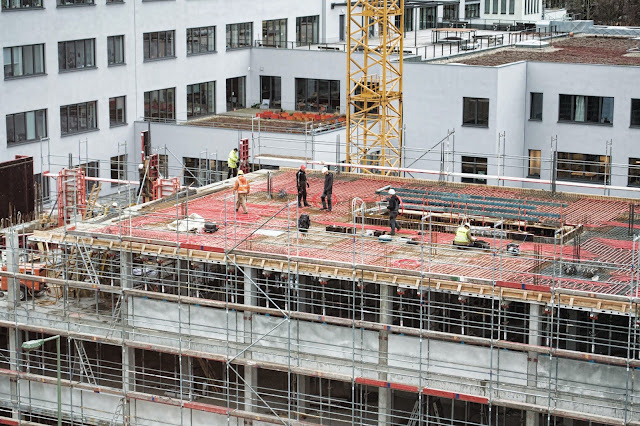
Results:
158 301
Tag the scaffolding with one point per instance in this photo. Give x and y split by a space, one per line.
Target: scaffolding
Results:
261 322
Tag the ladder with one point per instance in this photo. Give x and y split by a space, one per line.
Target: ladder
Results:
118 414
85 255
91 202
83 361
209 374
415 414
115 316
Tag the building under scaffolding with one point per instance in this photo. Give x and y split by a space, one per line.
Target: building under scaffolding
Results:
184 311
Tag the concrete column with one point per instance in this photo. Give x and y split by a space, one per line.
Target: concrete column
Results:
384 395
250 389
535 310
304 387
186 368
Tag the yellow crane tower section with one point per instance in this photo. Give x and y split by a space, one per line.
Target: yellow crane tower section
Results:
374 75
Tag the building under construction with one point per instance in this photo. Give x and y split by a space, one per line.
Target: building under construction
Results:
184 311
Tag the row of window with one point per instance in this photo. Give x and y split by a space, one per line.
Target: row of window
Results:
584 109
77 118
572 108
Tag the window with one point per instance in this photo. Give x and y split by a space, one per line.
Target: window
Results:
91 169
503 7
271 90
535 162
274 33
472 11
408 20
634 172
536 106
76 54
474 165
115 50
117 111
42 187
159 105
512 7
22 61
78 118
26 126
236 93
487 7
201 99
450 12
307 30
635 112
74 2
195 171
115 1
159 45
118 168
239 35
21 4
163 165
586 109
201 40
317 95
427 18
583 167
475 112
495 7
342 28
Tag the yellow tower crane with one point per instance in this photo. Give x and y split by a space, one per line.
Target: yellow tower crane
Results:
374 75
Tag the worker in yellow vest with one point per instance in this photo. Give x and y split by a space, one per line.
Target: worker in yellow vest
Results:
242 189
232 163
463 236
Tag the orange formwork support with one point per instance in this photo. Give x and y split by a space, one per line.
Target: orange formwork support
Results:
164 187
72 194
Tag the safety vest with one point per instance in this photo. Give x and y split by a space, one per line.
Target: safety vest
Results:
462 236
233 159
241 185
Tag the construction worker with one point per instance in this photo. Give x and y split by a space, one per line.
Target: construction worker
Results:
463 236
242 189
393 204
302 185
328 189
232 163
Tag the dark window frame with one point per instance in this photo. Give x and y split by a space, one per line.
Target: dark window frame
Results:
118 168
474 165
193 101
40 132
117 119
535 163
306 87
192 44
23 5
271 85
11 50
239 84
569 109
635 113
73 46
307 30
478 118
112 52
159 45
270 35
166 114
584 167
535 113
74 3
236 35
633 178
75 112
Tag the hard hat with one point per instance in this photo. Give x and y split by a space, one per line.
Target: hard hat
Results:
240 172
325 170
303 167
392 191
467 224
140 166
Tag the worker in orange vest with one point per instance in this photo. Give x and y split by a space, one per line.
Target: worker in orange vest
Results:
242 189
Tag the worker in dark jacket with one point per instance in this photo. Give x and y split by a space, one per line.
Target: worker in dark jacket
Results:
302 185
393 204
328 189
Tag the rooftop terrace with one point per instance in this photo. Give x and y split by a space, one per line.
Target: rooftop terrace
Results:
581 49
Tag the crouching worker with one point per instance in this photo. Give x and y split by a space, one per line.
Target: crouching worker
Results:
464 237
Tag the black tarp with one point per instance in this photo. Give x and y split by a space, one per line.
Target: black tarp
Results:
17 189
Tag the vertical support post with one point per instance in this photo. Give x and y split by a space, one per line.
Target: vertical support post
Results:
128 354
15 336
384 394
250 373
532 418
